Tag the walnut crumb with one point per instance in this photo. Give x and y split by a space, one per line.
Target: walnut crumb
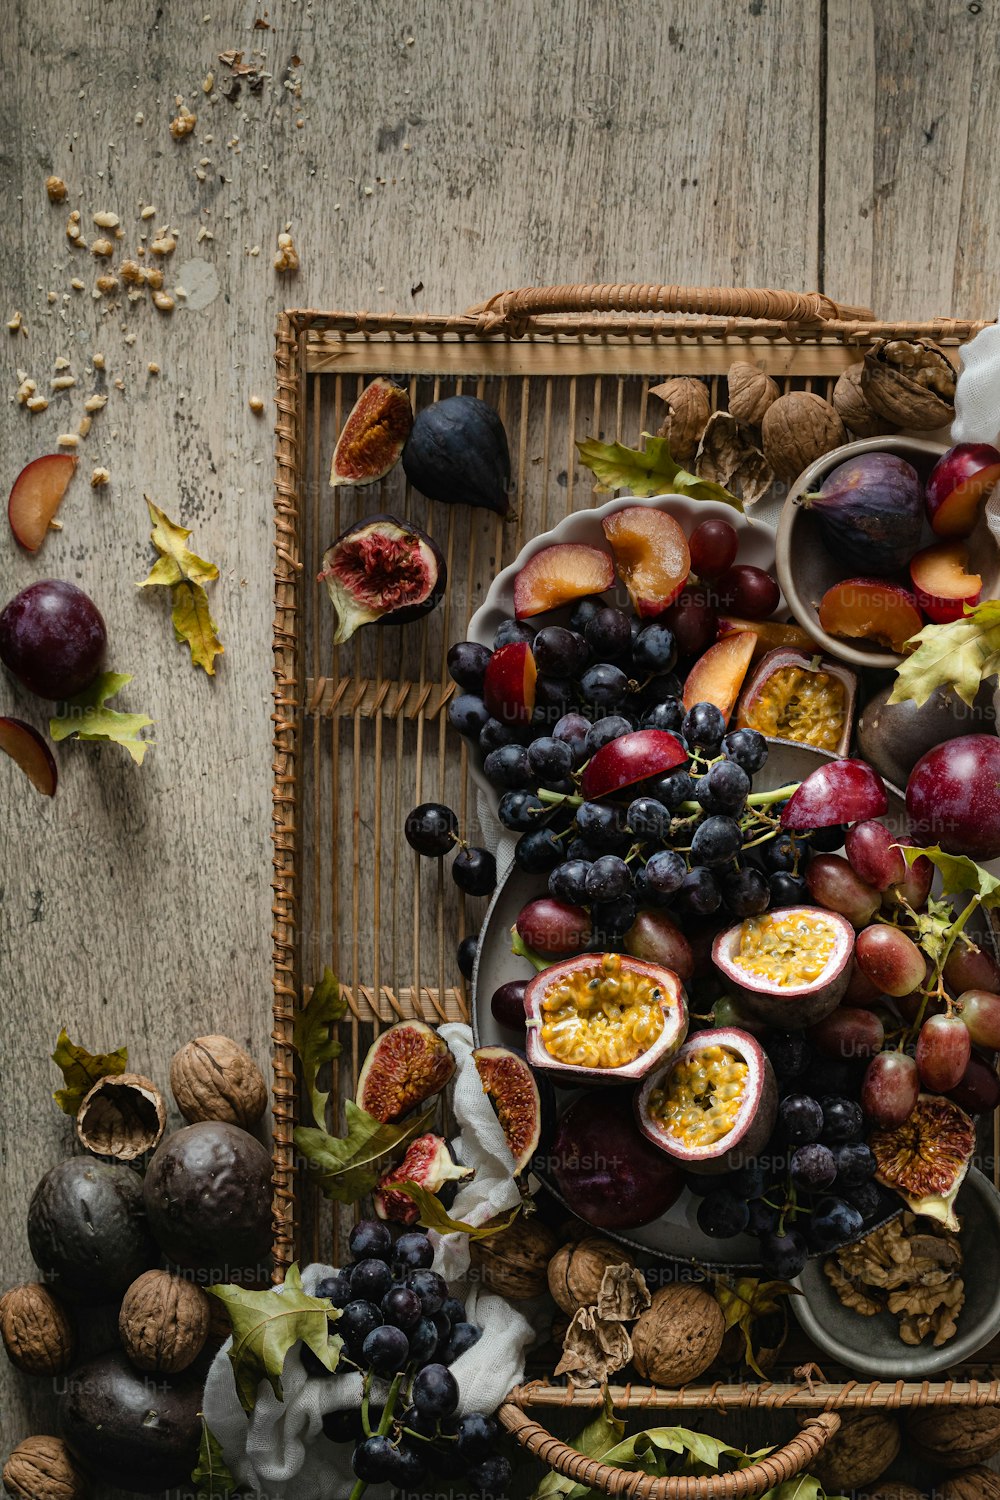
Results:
131 273
153 367
147 211
287 257
102 247
83 426
256 404
164 244
204 234
163 302
60 363
140 118
96 402
98 363
68 440
183 123
56 189
153 278
14 323
99 477
130 339
73 231
105 284
208 83
106 220
36 403
77 284
27 387
62 382
51 297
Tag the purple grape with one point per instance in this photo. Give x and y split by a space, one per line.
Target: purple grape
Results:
435 1391
370 1238
467 663
386 1349
413 1251
370 1279
401 1307
431 1288
52 638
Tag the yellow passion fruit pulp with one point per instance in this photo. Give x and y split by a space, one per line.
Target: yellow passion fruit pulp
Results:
785 948
601 1018
700 1098
796 704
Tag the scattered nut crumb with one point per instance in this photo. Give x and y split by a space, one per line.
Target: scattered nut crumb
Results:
153 278
163 302
51 297
14 323
105 220
208 83
98 363
131 273
76 284
99 477
204 234
36 403
164 244
96 402
60 362
119 386
140 118
56 189
27 387
68 440
105 284
287 257
181 292
153 367
102 247
73 232
55 526
256 404
183 123
130 339
83 426
62 382
200 173
147 211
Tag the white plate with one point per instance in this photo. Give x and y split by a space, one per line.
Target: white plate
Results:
756 547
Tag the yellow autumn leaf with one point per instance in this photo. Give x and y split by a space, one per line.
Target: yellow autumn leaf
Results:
193 623
185 574
176 560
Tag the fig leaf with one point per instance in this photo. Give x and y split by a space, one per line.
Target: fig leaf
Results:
434 1216
959 874
647 471
185 574
313 1040
348 1167
211 1477
596 1439
85 717
267 1324
959 655
82 1069
650 1453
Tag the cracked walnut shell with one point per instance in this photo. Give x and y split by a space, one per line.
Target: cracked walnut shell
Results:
213 1078
953 1437
688 410
515 1261
853 407
41 1468
751 393
576 1270
36 1330
859 1453
593 1348
910 382
122 1117
679 1336
163 1322
978 1483
797 429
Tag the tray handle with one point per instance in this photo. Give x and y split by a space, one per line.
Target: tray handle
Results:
743 1484
513 309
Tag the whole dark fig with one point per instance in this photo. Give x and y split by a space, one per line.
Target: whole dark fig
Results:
871 512
208 1197
457 452
134 1431
87 1229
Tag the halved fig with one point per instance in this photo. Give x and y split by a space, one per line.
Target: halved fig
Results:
457 453
26 748
523 1103
798 695
870 609
509 683
405 1066
718 676
36 496
926 1158
713 1106
603 1018
605 1169
382 572
628 759
770 634
651 554
790 966
841 791
428 1163
372 438
558 575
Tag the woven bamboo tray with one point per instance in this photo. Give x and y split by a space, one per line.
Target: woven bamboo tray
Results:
360 731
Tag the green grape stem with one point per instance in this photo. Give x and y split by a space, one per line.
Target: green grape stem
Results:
383 1427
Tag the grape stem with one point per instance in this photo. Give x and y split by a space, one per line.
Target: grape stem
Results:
755 799
383 1426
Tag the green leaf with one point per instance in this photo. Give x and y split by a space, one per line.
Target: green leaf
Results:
596 1439
958 655
647 471
211 1477
185 574
347 1167
314 1041
434 1216
86 718
745 1300
645 1452
958 873
804 1487
82 1069
266 1325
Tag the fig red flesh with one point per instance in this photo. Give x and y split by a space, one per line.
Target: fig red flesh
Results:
382 572
372 438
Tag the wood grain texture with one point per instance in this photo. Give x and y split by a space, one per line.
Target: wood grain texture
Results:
443 154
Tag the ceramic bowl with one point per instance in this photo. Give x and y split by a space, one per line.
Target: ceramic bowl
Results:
806 569
871 1346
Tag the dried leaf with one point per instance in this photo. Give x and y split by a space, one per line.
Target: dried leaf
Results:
648 471
85 717
728 455
958 873
267 1324
596 1439
593 1348
185 574
959 655
744 1301
347 1167
434 1216
82 1069
314 1041
211 1477
192 622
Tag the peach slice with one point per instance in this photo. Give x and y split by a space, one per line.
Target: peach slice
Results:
960 480
509 684
718 676
770 634
869 609
559 574
942 581
651 555
36 496
26 747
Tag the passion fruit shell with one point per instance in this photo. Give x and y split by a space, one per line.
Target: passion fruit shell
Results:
405 1066
800 943
738 1133
579 1008
522 1101
372 438
606 1171
382 571
800 696
925 1159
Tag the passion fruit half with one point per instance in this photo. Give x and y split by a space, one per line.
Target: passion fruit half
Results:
603 1018
790 966
926 1158
405 1066
713 1106
801 696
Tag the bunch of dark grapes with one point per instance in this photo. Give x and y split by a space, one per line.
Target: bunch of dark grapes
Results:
399 1324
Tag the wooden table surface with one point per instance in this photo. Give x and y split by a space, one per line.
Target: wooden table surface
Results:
424 157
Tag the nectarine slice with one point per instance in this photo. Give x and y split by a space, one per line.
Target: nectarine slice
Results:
651 555
27 749
959 482
37 495
559 574
942 581
718 676
770 634
509 683
869 609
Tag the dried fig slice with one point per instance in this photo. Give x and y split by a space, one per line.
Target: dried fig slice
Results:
372 438
405 1066
382 572
926 1158
428 1163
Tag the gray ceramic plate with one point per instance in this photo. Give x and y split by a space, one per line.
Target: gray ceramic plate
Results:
871 1346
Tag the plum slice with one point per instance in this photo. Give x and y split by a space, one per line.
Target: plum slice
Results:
27 749
558 575
382 572
943 583
651 554
718 676
36 496
870 609
509 683
373 436
842 791
631 758
959 482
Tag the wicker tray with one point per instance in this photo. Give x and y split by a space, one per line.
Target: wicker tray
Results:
360 731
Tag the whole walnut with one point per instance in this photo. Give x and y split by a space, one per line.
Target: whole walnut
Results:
860 1453
894 1489
853 408
163 1322
213 1078
979 1483
576 1271
751 392
688 410
40 1468
956 1436
36 1330
515 1261
797 429
679 1335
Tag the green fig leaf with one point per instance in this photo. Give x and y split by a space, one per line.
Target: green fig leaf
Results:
314 1041
959 655
185 574
211 1477
434 1216
596 1439
82 1069
266 1325
647 471
85 717
347 1167
958 873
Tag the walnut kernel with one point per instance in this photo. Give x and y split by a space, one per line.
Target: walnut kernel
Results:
679 1336
99 477
286 257
163 1322
41 1468
36 1331
213 1078
183 123
56 189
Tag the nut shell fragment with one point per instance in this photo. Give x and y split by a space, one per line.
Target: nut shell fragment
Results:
163 1322
36 1330
853 407
679 1336
576 1271
751 392
623 1294
123 1116
594 1348
688 410
910 382
214 1078
728 455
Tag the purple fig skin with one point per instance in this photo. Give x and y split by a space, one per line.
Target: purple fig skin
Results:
871 512
457 453
350 606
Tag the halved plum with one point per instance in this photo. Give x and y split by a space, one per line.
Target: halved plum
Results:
723 1078
509 683
869 609
651 554
943 583
27 749
959 482
841 791
36 496
630 758
558 575
790 966
718 676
